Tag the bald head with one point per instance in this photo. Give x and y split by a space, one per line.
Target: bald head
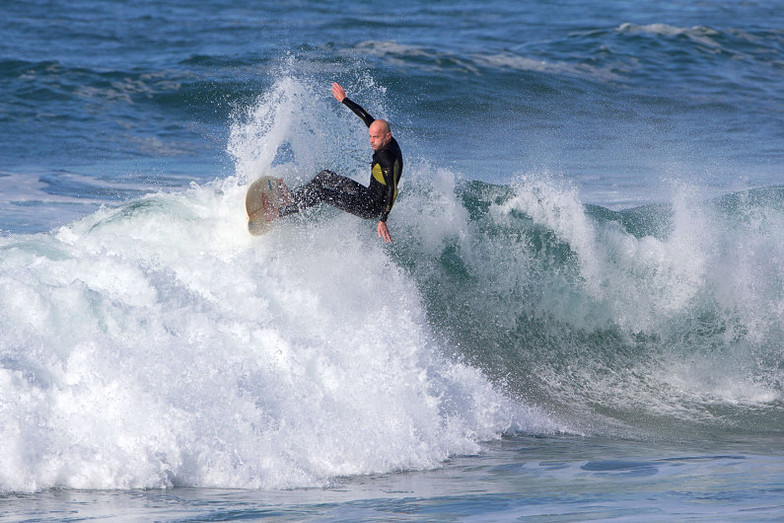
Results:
380 134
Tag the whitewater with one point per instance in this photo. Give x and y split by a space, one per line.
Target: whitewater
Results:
158 344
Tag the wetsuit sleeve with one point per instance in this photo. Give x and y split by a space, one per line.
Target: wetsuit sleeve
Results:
390 169
359 111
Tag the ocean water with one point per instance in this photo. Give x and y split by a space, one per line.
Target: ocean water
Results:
580 318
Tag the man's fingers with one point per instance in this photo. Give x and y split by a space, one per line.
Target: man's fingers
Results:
338 92
383 232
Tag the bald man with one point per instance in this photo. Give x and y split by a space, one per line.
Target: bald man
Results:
374 201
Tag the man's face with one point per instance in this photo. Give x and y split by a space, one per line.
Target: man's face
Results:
379 136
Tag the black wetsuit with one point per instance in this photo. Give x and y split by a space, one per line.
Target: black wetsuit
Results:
344 193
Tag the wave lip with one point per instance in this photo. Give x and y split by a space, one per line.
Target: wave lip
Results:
650 322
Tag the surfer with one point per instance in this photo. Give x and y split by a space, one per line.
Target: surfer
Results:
374 201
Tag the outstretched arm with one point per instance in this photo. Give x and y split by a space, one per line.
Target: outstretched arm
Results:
340 95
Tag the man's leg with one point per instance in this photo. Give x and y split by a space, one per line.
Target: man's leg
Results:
339 191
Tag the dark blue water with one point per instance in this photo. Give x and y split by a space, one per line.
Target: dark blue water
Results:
581 315
615 96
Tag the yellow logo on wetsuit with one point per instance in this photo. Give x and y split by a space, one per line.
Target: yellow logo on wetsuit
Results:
379 176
